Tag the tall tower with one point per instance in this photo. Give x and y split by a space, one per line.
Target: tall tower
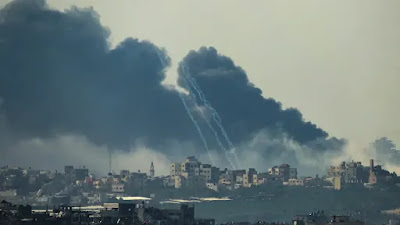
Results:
371 165
151 170
372 176
109 162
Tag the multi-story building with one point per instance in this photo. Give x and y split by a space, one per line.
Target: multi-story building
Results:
205 171
175 170
192 172
261 178
225 179
249 177
138 179
231 177
73 174
81 173
350 172
292 173
69 173
191 167
355 173
210 173
385 150
125 173
284 171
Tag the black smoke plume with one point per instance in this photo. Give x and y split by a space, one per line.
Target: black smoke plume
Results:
58 75
241 105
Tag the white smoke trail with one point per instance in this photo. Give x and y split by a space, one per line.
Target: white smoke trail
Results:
190 89
197 127
194 121
217 119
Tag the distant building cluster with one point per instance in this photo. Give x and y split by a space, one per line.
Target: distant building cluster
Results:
73 186
385 151
191 172
78 186
348 173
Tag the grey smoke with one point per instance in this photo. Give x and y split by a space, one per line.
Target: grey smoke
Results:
243 108
55 152
60 77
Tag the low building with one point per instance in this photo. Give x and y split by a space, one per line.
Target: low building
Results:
319 218
95 198
212 186
295 182
315 218
118 188
8 193
184 215
77 200
344 220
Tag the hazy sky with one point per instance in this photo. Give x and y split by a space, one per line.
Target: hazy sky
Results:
338 62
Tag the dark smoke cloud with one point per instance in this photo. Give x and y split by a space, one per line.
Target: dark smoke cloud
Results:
243 108
58 75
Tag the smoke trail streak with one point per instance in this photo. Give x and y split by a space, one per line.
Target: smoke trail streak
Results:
197 127
194 121
190 89
215 115
227 152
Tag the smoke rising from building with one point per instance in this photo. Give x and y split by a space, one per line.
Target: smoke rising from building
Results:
60 77
244 110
